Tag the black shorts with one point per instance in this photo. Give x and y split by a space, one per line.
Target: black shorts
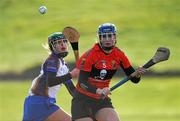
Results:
84 106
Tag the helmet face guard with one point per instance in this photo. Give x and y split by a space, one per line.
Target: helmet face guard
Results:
107 36
57 39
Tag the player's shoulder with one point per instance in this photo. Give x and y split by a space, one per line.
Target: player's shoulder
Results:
118 50
52 60
90 51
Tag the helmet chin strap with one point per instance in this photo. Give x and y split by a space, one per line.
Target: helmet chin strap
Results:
106 49
61 55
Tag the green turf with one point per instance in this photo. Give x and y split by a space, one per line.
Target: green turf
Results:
153 99
143 25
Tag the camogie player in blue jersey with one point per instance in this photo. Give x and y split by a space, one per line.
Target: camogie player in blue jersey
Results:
40 105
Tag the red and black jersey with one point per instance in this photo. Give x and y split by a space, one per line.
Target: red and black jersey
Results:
101 66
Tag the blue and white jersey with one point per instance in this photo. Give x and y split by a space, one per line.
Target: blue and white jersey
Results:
39 84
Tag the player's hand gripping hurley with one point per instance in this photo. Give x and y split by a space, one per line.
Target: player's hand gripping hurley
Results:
162 54
73 37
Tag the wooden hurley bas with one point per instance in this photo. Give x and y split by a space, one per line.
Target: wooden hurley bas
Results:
73 37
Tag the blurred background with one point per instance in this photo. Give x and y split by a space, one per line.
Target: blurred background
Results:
143 26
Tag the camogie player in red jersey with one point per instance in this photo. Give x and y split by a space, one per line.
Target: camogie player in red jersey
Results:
97 67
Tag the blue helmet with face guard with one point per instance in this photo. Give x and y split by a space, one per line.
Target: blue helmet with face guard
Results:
107 36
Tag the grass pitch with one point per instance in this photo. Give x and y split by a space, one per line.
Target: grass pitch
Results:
153 99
